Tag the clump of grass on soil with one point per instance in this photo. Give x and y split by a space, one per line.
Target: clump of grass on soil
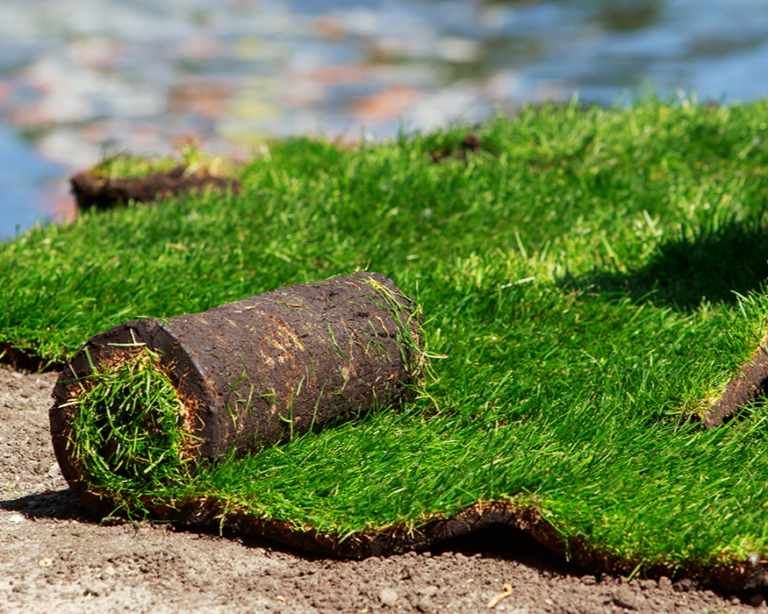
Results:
593 277
194 161
128 431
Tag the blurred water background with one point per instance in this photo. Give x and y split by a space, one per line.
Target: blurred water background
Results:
79 78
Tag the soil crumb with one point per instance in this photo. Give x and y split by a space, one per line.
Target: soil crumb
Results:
58 557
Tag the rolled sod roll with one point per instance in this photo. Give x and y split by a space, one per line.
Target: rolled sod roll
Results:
148 399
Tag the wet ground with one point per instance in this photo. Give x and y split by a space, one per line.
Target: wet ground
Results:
82 77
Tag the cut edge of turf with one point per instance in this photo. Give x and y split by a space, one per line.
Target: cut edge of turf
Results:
744 389
525 515
28 362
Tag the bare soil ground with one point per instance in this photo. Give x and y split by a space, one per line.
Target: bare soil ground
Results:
57 557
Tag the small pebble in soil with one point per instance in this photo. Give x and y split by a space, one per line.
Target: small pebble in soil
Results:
108 572
388 597
624 598
757 600
683 586
425 605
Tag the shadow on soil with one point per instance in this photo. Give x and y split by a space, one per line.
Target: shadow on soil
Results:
501 541
497 541
58 505
64 505
710 265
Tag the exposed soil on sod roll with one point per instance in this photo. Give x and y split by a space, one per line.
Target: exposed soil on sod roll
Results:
104 193
249 374
59 557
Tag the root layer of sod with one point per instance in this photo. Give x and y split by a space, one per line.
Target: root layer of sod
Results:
594 279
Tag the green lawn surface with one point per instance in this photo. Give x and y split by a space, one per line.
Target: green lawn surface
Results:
590 278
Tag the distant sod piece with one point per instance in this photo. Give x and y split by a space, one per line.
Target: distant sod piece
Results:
143 404
120 179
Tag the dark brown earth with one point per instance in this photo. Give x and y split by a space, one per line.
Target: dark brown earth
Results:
57 557
99 193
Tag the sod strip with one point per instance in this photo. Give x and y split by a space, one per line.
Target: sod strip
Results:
120 179
594 278
141 400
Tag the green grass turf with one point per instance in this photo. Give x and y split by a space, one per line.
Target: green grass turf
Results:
592 276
